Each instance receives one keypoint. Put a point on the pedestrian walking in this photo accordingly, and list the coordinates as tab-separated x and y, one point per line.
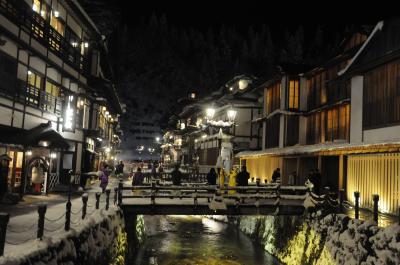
232	180
119	169
276	175
243	177
104	178
4	168
212	177
138	177
176	176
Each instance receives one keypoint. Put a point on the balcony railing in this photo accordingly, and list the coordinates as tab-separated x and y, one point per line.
32	23
42	100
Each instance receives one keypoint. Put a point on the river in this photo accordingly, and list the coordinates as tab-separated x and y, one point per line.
190	240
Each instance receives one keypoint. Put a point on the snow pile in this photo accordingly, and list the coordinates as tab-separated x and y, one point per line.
100	240
309	202
217	203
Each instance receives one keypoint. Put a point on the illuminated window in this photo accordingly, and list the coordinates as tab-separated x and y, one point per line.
293	94
36	6
273	98
52	101
35	84
57	24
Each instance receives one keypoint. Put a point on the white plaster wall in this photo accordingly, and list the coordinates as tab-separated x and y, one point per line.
24	37
65	82
8	25
386	134
55	59
356	135
73	24
54	75
23	56
9	47
37	64
17	122
71	71
39	47
22	72
5	101
5	117
32	121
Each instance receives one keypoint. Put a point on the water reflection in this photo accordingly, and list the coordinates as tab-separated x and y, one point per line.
193	240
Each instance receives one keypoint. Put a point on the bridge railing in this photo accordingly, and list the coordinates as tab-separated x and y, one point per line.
240	194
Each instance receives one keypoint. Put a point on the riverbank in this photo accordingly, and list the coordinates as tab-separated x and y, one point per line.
334	239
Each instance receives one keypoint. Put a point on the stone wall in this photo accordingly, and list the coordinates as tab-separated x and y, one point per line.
101	241
334	239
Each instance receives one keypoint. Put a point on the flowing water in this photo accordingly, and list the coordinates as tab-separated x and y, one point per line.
190	240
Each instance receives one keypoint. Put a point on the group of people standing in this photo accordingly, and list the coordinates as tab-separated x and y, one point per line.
234	178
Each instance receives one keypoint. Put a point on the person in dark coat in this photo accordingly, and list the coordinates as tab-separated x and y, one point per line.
4	167
243	177
138	178
212	177
119	169
104	178
316	180
177	176
276	175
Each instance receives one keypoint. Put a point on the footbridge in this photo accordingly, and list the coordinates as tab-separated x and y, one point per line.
202	199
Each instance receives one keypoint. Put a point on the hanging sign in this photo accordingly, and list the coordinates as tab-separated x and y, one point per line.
69	114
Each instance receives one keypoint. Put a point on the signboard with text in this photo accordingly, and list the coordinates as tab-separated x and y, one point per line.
69	114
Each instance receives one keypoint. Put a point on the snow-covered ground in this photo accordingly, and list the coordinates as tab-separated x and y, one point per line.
22	229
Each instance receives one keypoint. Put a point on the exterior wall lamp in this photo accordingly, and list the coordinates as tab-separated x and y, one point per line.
210	113
231	113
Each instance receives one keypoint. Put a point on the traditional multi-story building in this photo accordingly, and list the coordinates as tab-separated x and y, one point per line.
219	125
59	109
341	118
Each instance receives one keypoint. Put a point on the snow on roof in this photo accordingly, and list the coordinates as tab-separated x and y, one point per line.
378	26
309	149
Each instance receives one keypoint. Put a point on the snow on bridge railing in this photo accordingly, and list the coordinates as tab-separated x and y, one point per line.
269	194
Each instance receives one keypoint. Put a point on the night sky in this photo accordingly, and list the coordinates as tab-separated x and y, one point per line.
279	15
155	67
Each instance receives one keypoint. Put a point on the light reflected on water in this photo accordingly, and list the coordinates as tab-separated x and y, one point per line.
190	240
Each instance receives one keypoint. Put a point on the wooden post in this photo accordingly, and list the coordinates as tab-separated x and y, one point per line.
341	199
108	191
98	194
375	198
42	212
120	187
357	204
68	216
115	195
84	201
4	218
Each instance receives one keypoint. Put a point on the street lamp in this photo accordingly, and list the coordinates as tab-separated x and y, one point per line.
231	113
210	113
